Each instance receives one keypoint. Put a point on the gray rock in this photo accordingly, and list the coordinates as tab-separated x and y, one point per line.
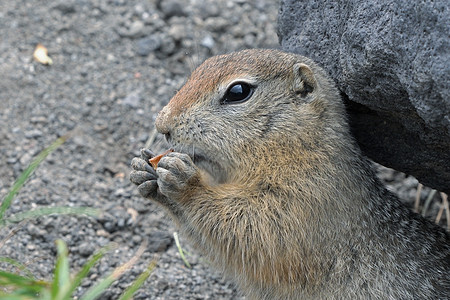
32	134
133	30
172	8
159	241
217	24
168	45
147	45
66	7
209	10
208	42
85	249
391	62
178	31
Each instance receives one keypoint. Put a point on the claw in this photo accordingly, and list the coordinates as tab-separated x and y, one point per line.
146	154
139	177
139	164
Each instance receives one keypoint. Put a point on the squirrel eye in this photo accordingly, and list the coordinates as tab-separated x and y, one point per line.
237	93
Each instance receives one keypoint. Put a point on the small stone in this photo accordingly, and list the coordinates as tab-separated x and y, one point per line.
119	192
159	241
85	249
137	239
218	24
11	160
89	101
102	233
162	284
66	7
109	226
210	10
25	159
171	8
168	46
148	44
38	120
32	134
135	30
178	32
208	42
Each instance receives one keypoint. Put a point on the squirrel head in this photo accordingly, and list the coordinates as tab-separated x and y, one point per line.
248	101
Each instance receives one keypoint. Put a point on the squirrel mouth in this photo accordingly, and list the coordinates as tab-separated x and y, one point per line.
204	163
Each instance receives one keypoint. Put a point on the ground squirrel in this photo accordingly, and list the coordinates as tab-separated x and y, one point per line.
269	185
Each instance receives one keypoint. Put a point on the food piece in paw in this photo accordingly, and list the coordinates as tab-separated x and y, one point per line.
155	160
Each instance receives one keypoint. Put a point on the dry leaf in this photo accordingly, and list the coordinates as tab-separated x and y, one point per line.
41	55
155	160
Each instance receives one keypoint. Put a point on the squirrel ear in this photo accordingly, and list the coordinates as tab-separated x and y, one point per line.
304	80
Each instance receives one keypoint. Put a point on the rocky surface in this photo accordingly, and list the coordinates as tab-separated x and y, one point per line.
391	60
115	64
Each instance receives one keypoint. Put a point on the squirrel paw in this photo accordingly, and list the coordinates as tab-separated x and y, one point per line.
176	174
143	175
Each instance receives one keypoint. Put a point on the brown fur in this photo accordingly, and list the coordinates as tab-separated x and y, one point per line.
279	195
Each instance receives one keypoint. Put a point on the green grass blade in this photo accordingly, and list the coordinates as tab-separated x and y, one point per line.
129	292
7	278
21	282
61	277
67	292
99	288
18	265
20	296
12	297
180	250
45	211
27	172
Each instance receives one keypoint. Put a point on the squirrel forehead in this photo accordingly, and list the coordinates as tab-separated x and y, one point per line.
218	71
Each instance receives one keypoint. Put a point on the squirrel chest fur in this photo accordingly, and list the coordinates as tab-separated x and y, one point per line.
269	185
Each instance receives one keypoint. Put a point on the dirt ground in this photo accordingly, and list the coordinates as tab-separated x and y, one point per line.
116	63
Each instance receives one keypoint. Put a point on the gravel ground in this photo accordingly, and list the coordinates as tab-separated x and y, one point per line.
115	64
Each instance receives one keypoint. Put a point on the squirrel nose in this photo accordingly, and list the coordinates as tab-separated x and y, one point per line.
162	122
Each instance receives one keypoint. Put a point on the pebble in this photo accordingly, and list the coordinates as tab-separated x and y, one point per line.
208	11
32	134
102	233
178	32
159	241
218	24
168	46
66	7
208	42
148	44
134	30
86	249
171	8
